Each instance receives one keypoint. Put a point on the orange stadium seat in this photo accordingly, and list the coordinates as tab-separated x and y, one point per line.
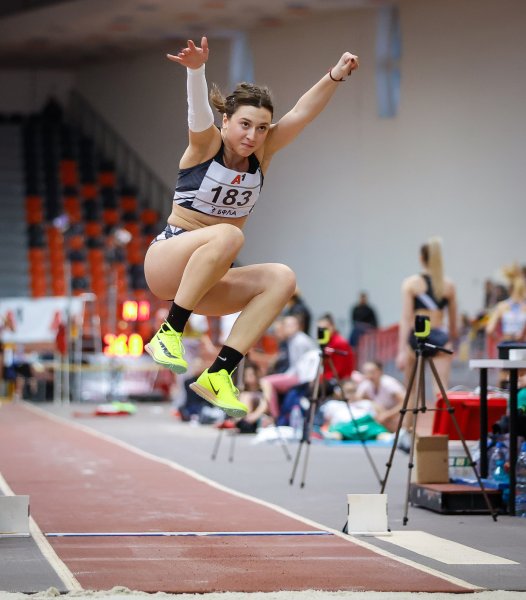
58	287
36	256
110	216
38	287
93	228
149	216
107	178
68	172
34	216
133	227
128	204
33	203
78	268
89	191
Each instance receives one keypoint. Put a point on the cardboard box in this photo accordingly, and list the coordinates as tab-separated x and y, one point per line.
431	459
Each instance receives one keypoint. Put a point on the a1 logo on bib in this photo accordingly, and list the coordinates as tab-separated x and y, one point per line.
238	179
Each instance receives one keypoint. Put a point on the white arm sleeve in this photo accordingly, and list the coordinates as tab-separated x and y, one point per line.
200	115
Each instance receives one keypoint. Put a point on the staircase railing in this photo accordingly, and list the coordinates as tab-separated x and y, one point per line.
151	191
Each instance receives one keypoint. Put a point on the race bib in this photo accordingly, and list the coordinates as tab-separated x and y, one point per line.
227	193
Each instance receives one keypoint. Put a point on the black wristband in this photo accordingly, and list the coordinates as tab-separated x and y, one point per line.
337	80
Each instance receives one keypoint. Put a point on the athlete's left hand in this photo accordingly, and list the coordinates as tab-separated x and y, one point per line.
345	66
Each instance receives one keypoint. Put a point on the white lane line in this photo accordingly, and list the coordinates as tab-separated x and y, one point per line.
218	486
442	550
65	575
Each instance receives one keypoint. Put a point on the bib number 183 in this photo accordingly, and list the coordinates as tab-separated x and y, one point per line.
231	196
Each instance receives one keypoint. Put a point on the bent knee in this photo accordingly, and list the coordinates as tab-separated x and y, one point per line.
284	277
230	237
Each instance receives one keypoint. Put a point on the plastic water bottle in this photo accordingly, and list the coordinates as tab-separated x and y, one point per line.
520	489
497	462
296	421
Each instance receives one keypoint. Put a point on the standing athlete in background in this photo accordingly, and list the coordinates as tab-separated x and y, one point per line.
220	177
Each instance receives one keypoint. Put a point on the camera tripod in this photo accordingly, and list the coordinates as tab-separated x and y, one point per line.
423	351
317	398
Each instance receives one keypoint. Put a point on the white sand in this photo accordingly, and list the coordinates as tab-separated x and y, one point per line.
122	593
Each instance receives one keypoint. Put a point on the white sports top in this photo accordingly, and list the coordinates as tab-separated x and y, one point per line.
213	189
514	319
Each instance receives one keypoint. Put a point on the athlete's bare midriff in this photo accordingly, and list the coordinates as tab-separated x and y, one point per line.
192	219
436	317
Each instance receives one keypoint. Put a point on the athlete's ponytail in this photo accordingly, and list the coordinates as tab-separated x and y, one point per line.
432	257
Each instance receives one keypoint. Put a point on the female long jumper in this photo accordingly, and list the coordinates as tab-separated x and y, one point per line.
220	179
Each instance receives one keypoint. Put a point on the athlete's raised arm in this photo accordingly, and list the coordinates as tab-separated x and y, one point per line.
310	105
201	130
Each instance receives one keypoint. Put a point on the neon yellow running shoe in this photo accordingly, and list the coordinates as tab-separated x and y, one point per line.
219	390
166	348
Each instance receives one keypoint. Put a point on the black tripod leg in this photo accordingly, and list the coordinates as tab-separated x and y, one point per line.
309	422
296	461
233	436
304	439
403	411
283	443
419	403
461	438
216	445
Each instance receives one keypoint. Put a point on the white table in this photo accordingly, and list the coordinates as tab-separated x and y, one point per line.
513	366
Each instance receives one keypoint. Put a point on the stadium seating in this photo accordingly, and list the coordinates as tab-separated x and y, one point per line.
75	201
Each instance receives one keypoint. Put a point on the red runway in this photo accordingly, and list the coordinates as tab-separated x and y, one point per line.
80	482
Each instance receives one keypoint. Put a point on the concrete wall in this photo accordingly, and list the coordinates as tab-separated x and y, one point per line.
355	197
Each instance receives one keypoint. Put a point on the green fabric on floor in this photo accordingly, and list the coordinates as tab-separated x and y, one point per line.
364	428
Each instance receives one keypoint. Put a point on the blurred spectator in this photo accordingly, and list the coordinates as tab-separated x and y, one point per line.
338	352
386	393
302	352
281	362
296	307
363	319
510	314
253	397
507	321
352	418
193	404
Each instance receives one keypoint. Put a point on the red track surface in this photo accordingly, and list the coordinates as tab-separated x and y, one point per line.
78	482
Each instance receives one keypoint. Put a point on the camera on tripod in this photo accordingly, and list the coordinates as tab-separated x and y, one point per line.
324	336
422	327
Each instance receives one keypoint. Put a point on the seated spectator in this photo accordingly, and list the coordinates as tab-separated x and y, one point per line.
338	353
253	397
193	404
281	362
351	418
302	350
386	393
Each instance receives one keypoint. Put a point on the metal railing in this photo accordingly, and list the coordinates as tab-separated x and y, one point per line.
150	190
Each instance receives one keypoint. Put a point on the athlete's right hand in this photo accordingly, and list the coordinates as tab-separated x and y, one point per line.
192	57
